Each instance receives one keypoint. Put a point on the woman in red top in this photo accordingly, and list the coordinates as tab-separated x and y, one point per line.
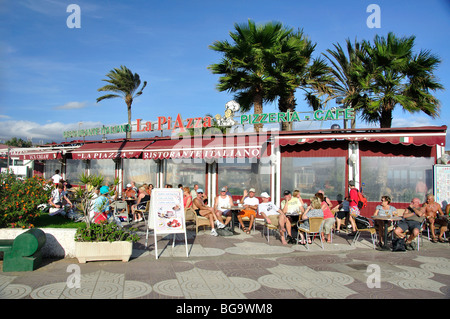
187	198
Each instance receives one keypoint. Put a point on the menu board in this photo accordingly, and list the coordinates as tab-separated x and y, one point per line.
442	184
168	210
166	214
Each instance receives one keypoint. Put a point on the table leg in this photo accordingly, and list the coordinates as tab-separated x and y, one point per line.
385	246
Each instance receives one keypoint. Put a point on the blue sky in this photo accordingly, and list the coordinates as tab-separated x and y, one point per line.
49	73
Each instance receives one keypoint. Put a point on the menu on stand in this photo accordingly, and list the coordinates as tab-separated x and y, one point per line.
442	184
167	214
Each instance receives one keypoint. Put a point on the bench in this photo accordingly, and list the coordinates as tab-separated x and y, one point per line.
24	252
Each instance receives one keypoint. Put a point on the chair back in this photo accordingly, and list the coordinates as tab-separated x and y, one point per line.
315	224
189	214
120	204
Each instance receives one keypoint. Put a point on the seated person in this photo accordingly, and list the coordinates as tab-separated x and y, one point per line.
205	211
273	215
250	206
435	215
141	204
383	210
412	220
222	205
101	206
313	210
292	208
129	192
342	210
58	200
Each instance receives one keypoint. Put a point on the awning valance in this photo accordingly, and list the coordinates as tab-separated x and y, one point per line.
207	147
112	150
40	155
429	139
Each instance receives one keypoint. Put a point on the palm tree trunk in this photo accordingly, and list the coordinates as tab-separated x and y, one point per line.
258	109
129	120
386	118
286	103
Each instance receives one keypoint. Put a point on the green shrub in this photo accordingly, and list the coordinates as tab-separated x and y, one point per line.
104	232
19	199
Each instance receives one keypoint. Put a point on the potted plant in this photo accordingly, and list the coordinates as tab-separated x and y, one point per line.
104	240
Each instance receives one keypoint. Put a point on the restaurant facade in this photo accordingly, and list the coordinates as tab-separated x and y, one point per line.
397	162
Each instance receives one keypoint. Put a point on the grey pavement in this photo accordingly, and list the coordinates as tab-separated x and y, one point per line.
242	267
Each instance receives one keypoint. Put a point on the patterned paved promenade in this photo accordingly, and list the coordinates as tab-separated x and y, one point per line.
243	267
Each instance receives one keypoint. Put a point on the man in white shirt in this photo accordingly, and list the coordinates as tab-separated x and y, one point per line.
273	215
250	207
56	178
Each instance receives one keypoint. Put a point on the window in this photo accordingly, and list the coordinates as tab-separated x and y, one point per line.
140	171
105	168
243	174
185	172
310	174
74	168
50	167
400	178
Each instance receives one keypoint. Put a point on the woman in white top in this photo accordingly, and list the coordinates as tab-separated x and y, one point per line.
222	205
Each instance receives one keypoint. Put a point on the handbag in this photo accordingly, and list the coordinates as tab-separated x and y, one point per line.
100	217
398	244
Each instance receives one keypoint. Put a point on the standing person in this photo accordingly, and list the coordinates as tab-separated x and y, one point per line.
222	205
273	215
328	217
56	178
205	211
435	215
385	209
250	205
412	220
292	208
141	204
353	206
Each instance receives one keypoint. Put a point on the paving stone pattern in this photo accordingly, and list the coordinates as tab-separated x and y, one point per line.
243	267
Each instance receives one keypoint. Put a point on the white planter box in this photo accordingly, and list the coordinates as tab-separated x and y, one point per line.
92	251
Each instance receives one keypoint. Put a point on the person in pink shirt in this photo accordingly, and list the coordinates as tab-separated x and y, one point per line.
328	218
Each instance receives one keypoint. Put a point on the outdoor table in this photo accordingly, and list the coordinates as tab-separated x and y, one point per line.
234	211
130	202
386	220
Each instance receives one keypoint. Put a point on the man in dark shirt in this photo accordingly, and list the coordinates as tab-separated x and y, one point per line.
412	221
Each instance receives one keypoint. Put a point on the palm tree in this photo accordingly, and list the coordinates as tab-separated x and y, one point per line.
396	76
349	76
124	84
247	63
295	71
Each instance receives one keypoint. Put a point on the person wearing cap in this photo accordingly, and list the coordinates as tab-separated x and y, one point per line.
250	205
205	211
222	205
292	207
130	192
353	206
273	215
101	206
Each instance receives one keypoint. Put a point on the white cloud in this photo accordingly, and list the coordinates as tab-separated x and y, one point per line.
71	105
